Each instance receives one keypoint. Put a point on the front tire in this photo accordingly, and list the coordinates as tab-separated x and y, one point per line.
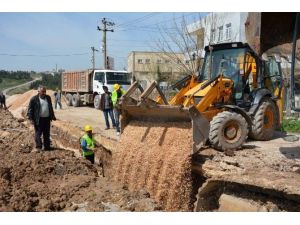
228	131
265	121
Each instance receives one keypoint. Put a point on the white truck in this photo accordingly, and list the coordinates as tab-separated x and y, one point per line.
85	87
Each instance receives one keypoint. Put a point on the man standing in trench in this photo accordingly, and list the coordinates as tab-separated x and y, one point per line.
87	143
40	113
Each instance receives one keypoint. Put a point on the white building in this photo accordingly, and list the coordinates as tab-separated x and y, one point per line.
219	27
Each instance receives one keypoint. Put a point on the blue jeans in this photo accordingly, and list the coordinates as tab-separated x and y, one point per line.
117	117
109	112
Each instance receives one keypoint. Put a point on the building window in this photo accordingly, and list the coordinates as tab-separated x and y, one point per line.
167	61
213	35
140	61
228	31
220	33
179	61
147	61
159	61
187	61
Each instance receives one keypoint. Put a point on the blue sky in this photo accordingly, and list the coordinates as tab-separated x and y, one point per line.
39	41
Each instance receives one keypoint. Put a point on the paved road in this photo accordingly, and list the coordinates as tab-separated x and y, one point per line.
20	85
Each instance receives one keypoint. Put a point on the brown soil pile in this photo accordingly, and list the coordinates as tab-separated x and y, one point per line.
55	180
157	157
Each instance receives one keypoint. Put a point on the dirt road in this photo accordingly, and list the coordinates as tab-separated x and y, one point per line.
20	85
80	116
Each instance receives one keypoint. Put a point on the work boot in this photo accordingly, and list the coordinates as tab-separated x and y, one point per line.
36	149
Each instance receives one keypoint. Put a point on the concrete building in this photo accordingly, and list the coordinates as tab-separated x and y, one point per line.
150	66
219	27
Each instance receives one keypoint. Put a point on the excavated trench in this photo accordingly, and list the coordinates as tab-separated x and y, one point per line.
160	163
221	195
57	180
148	170
154	159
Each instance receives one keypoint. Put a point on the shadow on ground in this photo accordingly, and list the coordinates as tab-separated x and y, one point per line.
290	152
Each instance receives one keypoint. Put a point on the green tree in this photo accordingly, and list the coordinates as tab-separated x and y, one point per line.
48	80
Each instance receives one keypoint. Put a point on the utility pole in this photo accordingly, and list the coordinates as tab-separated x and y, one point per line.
93	56
104	29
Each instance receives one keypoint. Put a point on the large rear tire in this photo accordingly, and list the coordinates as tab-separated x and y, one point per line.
69	99
265	121
228	131
76	100
97	101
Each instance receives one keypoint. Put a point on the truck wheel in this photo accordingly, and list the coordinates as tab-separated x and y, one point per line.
228	131
265	121
69	99
97	101
76	100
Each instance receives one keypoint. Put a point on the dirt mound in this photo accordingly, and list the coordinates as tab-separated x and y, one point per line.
157	157
55	180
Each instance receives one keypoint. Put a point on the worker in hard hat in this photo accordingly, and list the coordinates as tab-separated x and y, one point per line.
87	143
116	95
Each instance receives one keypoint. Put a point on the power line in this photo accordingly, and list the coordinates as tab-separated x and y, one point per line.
137	20
175	18
152	28
42	55
132	40
128	46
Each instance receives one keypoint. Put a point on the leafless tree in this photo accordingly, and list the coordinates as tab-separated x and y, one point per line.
177	40
190	39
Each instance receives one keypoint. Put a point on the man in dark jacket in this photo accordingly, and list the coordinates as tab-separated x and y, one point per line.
106	106
40	113
2	101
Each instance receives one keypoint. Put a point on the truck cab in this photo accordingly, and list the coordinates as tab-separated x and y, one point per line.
108	78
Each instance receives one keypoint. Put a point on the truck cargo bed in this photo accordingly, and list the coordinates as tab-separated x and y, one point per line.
77	81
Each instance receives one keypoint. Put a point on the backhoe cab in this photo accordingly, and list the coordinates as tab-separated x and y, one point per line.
244	96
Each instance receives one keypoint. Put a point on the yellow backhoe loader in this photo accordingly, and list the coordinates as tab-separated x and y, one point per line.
238	93
235	95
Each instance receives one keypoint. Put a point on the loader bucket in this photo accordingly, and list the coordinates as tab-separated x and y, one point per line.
146	109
